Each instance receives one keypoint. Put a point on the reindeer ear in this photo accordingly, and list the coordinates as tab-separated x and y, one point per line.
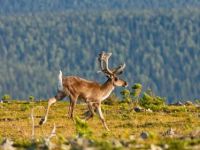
109	76
120	72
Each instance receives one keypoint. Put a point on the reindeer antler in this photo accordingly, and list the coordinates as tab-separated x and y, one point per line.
103	60
119	69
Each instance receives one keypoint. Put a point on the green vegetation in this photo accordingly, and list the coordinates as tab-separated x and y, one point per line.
82	128
175	128
31	98
151	101
6	97
126	98
148	100
137	89
133	95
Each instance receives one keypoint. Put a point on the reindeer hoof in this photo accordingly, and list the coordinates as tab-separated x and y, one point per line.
107	129
42	121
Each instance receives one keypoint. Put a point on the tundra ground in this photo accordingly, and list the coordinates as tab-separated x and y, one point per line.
175	127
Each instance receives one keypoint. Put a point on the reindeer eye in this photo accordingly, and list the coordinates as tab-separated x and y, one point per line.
116	78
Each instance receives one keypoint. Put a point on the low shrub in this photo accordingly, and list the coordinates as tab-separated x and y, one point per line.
24	107
82	128
132	95
150	100
178	144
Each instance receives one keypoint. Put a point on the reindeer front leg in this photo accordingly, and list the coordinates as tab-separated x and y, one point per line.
99	112
73	100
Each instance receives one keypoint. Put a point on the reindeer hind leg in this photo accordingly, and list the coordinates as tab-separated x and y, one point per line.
59	96
91	111
50	102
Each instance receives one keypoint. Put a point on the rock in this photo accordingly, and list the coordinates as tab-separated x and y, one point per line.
194	147
155	147
144	135
139	146
65	147
138	109
165	146
179	103
7	145
80	143
170	132
132	137
49	144
195	134
83	142
117	144
197	106
149	110
188	103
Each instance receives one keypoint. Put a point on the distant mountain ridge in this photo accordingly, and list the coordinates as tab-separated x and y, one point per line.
34	6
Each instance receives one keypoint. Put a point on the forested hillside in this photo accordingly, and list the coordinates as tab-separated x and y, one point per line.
160	47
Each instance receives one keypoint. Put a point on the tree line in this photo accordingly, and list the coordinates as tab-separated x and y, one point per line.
160	47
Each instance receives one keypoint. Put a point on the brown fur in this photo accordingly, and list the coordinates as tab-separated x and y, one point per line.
90	91
77	87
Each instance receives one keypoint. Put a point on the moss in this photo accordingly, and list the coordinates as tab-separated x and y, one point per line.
177	145
25	143
24	107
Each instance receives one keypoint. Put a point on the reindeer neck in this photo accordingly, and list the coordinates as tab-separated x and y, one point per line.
107	88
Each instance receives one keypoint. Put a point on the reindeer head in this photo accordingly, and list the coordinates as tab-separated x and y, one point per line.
111	73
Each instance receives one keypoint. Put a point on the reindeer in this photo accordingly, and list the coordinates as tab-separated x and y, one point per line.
92	92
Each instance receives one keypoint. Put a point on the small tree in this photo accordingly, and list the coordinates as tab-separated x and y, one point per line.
6	97
137	89
31	98
126	97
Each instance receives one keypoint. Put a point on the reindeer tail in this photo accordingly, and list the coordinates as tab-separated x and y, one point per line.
60	84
